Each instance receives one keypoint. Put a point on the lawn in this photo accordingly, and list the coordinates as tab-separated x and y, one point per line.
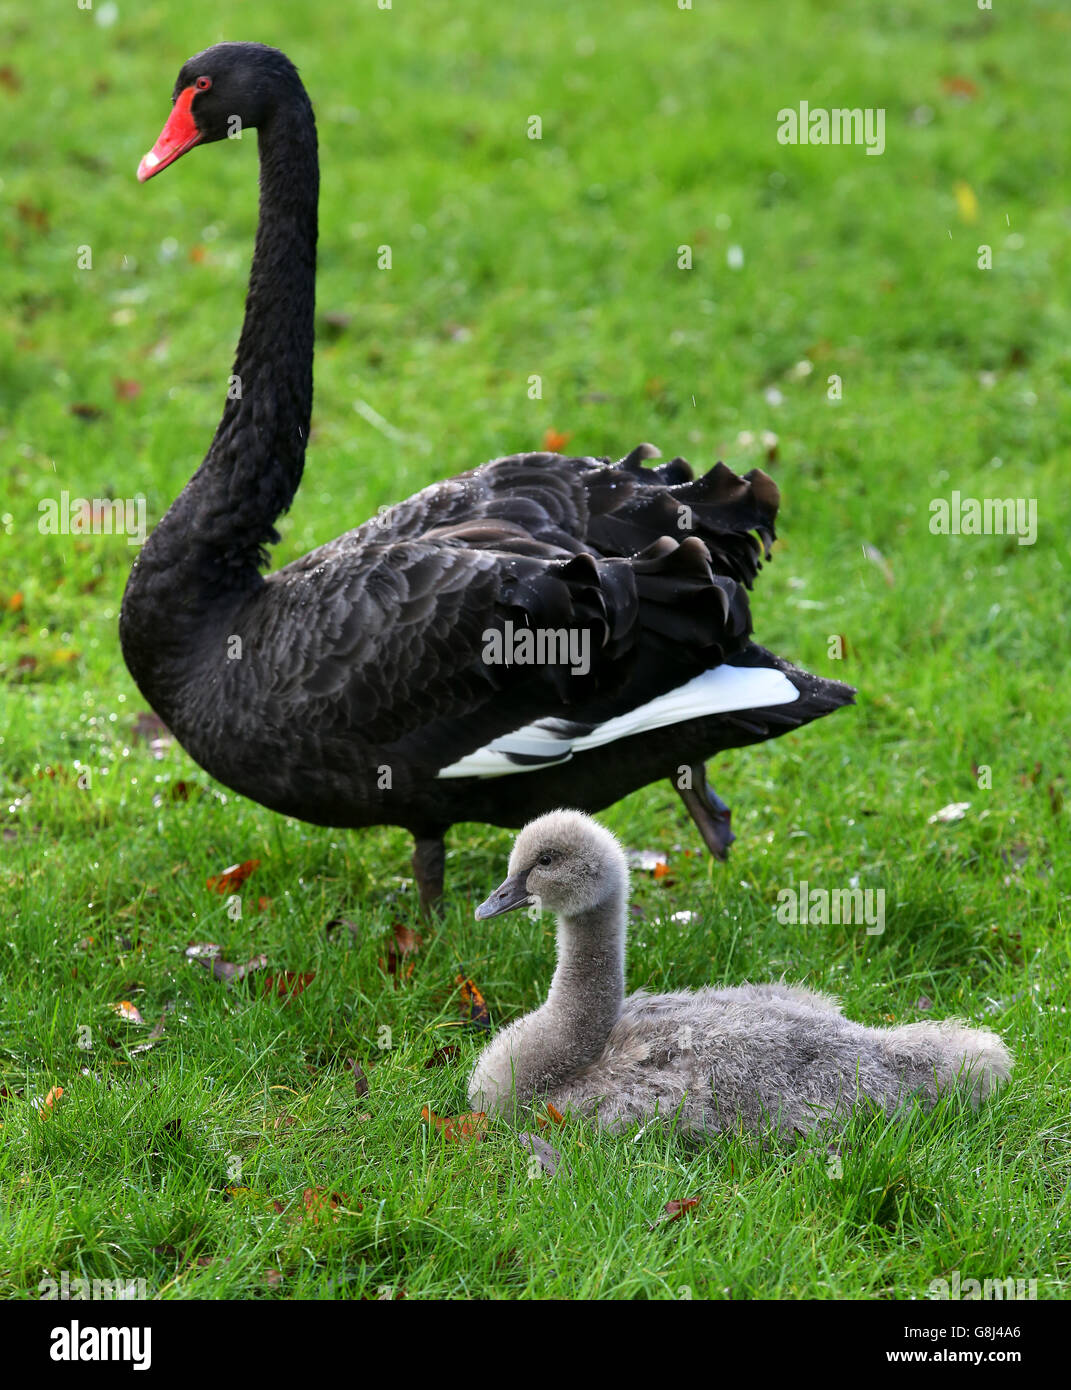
834	327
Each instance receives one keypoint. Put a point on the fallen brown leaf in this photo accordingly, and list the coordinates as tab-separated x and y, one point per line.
32	215
673	1211
472	1125
49	1101
128	1011
443	1056
960	87
233	878
402	942
319	1202
360	1081
473	1004
288	984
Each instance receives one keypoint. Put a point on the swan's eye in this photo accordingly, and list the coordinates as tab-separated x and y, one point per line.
545	860
203	83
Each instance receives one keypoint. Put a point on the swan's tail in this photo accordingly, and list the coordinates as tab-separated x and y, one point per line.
940	1056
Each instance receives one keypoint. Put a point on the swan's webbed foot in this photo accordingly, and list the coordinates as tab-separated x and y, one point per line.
711	815
429	862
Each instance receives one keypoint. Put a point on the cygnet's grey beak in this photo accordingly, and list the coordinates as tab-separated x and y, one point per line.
513	893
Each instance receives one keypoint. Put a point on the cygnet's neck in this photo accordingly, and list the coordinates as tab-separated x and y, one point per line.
570	1030
588	987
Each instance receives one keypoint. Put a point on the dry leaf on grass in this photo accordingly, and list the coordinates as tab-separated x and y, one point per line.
443	1056
49	1101
127	1011
319	1202
472	1125
232	878
673	1211
473	1005
360	1081
288	984
402	942
957	86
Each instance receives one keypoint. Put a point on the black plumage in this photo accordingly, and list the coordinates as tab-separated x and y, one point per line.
339	688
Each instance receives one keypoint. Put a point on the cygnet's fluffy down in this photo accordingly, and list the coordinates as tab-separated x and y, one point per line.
769	1056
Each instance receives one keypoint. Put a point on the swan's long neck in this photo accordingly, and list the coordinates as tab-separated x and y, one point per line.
588	987
254	465
571	1028
205	555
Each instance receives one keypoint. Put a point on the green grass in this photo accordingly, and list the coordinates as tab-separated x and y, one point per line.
556	257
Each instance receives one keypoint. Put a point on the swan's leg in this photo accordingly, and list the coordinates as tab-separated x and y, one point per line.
710	813
429	860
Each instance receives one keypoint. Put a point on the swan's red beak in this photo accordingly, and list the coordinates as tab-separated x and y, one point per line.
178	135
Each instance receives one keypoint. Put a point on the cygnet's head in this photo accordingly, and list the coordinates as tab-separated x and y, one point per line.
566	862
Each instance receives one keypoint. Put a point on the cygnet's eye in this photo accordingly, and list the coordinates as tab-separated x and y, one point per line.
545	860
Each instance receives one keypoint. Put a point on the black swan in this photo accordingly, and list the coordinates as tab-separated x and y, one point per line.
770	1056
470	654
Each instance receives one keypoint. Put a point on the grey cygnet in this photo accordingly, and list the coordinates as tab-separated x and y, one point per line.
769	1057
